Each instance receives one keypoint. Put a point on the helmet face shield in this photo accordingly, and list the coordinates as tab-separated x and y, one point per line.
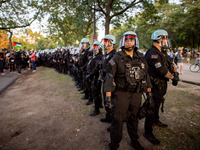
128	41
165	42
105	41
96	47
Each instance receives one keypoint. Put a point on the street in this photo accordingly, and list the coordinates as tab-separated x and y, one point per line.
188	75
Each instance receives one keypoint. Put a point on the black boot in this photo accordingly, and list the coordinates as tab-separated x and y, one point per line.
94	113
151	138
88	102
84	97
160	124
136	145
80	89
106	120
82	92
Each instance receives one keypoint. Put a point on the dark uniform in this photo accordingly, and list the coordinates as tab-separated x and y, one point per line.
158	62
130	74
83	59
103	65
96	84
90	66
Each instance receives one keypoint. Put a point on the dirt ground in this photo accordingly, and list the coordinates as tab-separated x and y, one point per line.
37	113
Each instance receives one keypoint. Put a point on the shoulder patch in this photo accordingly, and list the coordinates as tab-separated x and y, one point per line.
157	65
111	62
154	56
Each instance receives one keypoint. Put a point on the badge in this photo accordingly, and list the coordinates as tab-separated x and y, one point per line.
154	56
158	65
111	62
142	65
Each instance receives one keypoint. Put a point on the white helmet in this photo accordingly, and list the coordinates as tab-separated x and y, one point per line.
129	35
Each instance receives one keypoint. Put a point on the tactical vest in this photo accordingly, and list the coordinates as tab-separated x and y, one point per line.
131	74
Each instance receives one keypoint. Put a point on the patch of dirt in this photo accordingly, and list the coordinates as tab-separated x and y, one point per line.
34	116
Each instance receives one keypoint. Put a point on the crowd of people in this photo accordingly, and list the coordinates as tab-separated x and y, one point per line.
115	80
17	60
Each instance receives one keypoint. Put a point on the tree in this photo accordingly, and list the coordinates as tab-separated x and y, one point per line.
20	13
69	21
4	42
112	10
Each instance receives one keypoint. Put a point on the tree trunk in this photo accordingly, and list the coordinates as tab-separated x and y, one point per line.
107	27
10	42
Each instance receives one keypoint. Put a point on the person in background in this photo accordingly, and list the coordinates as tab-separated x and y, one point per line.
11	61
32	57
198	58
180	61
188	57
171	55
2	57
18	58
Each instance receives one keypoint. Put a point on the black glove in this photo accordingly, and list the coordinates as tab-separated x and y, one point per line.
150	100
176	79
108	102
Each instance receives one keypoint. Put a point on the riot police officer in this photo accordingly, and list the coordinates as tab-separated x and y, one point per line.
160	71
108	42
93	74
84	46
128	70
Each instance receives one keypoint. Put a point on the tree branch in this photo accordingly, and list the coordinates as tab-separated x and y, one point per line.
129	6
101	9
14	27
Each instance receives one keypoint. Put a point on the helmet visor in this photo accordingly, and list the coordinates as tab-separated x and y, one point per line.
129	41
166	42
104	41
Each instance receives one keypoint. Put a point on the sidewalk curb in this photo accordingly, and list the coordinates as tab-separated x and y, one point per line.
9	84
190	82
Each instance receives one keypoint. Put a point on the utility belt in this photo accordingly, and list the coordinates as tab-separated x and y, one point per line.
157	80
135	87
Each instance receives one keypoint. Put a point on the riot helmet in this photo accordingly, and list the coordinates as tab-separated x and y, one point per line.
108	41
84	44
97	46
163	35
129	41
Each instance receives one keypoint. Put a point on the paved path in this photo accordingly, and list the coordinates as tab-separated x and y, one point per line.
8	79
188	75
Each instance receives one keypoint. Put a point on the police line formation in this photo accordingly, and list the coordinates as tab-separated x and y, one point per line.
118	80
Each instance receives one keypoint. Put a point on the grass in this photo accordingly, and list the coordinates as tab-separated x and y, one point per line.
182	112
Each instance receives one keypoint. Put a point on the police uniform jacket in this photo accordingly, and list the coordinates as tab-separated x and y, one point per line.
117	71
92	63
83	57
157	62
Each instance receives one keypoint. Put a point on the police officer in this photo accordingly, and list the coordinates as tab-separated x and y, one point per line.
128	70
94	74
84	46
97	54
160	73
108	42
